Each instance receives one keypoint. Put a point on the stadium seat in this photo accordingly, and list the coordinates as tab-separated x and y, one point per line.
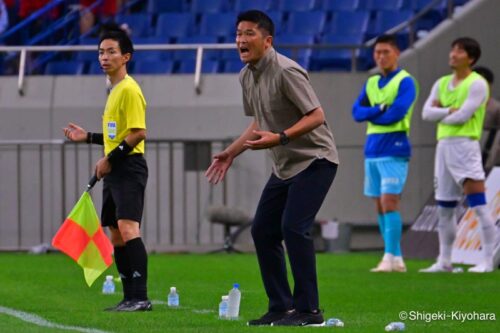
191	54
231	54
278	19
87	55
162	6
211	6
348	23
207	66
139	24
340	5
233	66
387	19
64	67
376	5
151	54
244	5
219	25
296	5
335	58
154	67
306	23
95	68
294	53
174	25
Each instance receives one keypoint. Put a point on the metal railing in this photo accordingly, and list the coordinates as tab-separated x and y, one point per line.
43	179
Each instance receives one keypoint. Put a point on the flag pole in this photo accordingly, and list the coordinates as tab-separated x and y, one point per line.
92	182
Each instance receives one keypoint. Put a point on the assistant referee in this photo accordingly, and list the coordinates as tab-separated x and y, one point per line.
123	168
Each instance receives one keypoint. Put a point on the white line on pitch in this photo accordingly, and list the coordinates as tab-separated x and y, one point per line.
37	320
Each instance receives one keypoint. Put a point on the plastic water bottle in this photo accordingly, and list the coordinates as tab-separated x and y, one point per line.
234	298
395	326
173	298
224	307
109	286
335	322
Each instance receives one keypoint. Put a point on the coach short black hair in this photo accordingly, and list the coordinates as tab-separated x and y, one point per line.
387	39
470	46
263	21
121	37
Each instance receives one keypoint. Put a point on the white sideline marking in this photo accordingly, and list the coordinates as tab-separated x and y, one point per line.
37	320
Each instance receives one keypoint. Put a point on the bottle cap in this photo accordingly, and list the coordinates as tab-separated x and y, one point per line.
225	297
236	286
109	277
173	289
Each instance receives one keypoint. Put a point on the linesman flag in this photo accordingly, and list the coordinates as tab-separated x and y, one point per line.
82	238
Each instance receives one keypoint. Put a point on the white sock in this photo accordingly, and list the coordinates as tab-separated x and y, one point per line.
446	232
388	257
488	230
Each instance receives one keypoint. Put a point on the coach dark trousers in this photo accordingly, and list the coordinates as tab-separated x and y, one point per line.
286	211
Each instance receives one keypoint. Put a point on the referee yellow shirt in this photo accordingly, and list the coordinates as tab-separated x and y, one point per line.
125	109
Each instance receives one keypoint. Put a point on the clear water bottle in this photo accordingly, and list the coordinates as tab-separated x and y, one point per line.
395	326
234	298
109	286
335	322
224	307
173	298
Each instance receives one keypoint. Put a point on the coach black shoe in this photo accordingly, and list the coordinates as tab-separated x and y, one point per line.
122	303
268	318
301	319
135	306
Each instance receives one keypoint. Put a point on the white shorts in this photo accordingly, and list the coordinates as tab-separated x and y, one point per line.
457	159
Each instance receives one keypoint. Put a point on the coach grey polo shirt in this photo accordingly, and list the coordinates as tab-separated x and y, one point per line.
277	92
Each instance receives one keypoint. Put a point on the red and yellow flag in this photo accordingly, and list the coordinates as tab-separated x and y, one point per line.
81	237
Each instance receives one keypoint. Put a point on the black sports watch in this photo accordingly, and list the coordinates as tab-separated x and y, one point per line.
284	139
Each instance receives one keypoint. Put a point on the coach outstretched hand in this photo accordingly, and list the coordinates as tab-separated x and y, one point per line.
217	170
75	133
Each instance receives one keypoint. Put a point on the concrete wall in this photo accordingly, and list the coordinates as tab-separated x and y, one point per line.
175	111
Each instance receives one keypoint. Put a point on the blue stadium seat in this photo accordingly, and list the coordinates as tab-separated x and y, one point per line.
348	23
375	5
191	54
220	25
230	54
162	6
294	53
296	5
139	24
209	6
175	25
340	5
64	67
430	19
152	55
335	58
306	23
387	19
154	67
278	19
233	66
207	66
244	5
95	68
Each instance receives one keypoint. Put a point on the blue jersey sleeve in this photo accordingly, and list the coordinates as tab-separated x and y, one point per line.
407	93
361	110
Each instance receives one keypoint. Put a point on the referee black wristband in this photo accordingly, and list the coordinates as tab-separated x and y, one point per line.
119	153
96	138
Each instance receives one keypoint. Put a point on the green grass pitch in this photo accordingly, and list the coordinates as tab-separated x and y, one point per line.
52	287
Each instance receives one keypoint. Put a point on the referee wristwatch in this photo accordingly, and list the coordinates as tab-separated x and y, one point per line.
284	139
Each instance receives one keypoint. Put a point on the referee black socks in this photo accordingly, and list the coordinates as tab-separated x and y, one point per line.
138	259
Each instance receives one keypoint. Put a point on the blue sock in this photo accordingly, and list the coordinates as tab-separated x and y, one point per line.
381	226
393	230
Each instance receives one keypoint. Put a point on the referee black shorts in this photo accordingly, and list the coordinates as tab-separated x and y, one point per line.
123	191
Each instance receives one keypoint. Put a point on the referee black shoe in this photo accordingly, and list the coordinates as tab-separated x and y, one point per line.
136	306
122	303
268	318
302	319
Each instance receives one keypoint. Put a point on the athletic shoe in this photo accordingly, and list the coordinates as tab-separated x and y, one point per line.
268	318
383	266
301	319
122	303
437	268
484	267
398	266
134	306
